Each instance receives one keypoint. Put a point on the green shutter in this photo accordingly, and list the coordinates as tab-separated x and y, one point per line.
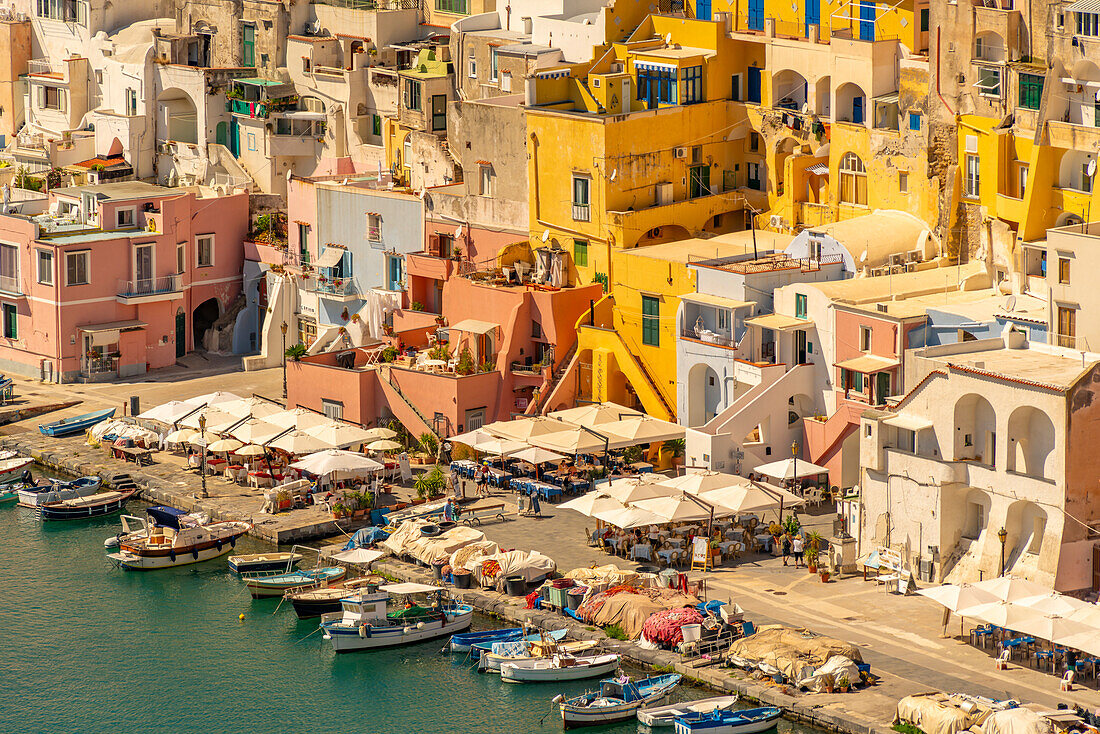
580	253
651	321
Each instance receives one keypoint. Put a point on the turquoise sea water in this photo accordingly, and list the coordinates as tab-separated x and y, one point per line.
89	648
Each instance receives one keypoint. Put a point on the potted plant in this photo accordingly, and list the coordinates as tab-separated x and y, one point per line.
830	686
389	354
843	683
339	510
295	352
387	329
811	559
417	306
824	573
465	364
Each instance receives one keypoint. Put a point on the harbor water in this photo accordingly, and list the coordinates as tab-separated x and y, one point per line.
90	648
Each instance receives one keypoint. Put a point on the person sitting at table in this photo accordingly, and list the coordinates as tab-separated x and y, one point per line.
566	484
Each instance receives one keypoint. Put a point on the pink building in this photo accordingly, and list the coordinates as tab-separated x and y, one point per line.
116	279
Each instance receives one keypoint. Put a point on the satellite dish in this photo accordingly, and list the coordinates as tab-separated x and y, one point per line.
289	173
1010	303
614	174
668	39
344	182
458	232
423	192
863	257
545	235
1092	168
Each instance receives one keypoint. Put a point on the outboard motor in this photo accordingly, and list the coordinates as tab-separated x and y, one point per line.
28	478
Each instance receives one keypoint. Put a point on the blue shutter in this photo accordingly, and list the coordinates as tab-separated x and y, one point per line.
866	21
756	15
702	9
753	92
813	14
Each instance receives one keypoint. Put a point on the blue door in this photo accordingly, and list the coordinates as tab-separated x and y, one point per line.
395	274
756	15
866	21
813	14
234	137
753	91
857	110
702	9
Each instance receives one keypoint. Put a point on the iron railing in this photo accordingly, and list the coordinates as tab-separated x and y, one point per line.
150	286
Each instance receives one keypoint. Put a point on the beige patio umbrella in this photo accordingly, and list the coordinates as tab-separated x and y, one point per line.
383	445
499	446
1054	627
1001	613
791	468
748	497
525	429
591	503
225	446
633	489
169	412
537	455
256	431
251	449
203	439
298	442
182	435
629	517
640	429
1054	603
1089	614
213	398
339	435
470	438
214	417
1087	641
571	441
1011	588
252	407
957	596
679	508
378	433
338	464
595	415
299	418
704	481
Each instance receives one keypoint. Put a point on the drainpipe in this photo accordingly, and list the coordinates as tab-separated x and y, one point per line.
938	61
535	173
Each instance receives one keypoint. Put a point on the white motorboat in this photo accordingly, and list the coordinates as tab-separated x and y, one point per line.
560	667
35	495
395	614
173	538
12	468
745	721
617	699
657	716
506	652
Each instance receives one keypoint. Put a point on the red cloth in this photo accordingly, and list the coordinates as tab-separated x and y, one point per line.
531	598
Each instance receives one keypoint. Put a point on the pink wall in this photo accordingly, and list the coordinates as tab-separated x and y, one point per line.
478	244
301	206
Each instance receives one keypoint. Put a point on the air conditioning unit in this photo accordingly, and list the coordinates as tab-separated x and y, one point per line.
680	152
664	194
776	221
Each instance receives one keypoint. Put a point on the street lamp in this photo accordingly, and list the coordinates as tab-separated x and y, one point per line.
1002	535
794	455
283	329
202	445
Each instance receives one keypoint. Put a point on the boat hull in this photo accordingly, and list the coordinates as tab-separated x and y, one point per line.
15	471
346	638
730	724
71	426
533	672
263	562
465	643
102	509
39	495
658	716
307	609
574	718
130	558
262	588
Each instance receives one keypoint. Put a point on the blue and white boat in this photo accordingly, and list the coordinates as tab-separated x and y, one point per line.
465	641
36	495
617	699
395	614
261	585
69	426
746	721
480	648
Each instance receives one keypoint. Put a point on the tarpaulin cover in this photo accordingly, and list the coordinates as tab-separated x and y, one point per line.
1016	721
834	670
792	651
365	537
513	649
664	627
492	570
937	713
468	555
408	540
630	607
610	574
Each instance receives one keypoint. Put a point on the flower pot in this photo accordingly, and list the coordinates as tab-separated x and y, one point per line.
812	568
824	577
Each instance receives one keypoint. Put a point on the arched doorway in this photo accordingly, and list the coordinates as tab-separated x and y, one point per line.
221	133
178	117
181	333
202	318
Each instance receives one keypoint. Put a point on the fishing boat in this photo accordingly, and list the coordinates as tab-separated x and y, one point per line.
617	699
309	603
465	641
478	649
12	469
45	492
277	585
97	505
69	426
171	537
561	667
657	716
746	721
254	562
395	614
507	652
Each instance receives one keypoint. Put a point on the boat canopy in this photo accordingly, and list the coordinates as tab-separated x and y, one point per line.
410	588
166	516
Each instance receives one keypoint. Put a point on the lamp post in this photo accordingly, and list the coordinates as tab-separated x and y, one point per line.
283	327
202	445
1002	535
794	455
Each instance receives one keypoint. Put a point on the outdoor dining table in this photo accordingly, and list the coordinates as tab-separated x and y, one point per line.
676	542
668	554
765	541
642	467
640	552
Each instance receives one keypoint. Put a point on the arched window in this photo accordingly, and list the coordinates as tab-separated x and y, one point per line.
311	104
853	180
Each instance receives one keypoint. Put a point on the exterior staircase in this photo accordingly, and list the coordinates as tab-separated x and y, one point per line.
402	407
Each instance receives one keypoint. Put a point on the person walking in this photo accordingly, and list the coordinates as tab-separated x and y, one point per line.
797	550
786	548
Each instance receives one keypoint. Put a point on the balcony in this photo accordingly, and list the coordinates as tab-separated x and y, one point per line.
149	290
332	289
99	368
1071	136
709	337
424	265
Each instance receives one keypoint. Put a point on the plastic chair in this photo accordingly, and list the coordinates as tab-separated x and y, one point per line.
1067	681
1002	659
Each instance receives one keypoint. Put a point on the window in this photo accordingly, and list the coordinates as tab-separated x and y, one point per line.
698	181
332	409
924	20
853	180
494	68
471	66
124	217
486	180
580	253
914	121
723	319
51	98
458	7
307	330
204	250
865	338
407	151
376	125
9	268
76	268
800	305
131	102
69	11
1031	91
656	84
851	381
412	94
45	267
1088	24
651	321
252	141
692	85
973	177
581	186
439	112
989	81
374	227
1086	179
475	419
903	182
248	44
1063	270
1067	327
11	326
1021	180
754	142
506	81
181	262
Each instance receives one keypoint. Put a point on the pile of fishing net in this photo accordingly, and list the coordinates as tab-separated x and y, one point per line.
629	607
663	628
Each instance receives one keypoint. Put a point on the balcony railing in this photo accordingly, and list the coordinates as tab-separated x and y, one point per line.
522	368
150	286
331	286
98	365
581	213
42	66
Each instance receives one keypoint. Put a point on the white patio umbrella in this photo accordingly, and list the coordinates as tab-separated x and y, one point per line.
1053	627
634	489
536	455
641	429
383	445
750	498
169	412
252	407
256	431
339	464
379	433
591	503
298	442
1089	614
704	481
677	509
1001	613
225	446
595	415
181	435
1054	603
571	441
470	438
629	517
203	439
212	398
215	417
525	429
251	449
957	596
340	435
1087	641
299	418
790	469
1011	588
499	446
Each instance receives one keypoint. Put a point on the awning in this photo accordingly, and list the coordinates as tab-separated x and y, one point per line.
473	326
891	98
908	422
410	587
113	326
778	322
330	257
707	299
868	363
819	169
1083	6
304	115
